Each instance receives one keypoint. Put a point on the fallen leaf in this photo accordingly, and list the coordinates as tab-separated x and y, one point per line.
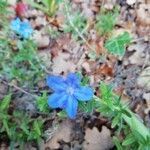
138	57
95	140
144	79
143	14
98	45
63	133
105	70
61	63
41	40
45	56
146	96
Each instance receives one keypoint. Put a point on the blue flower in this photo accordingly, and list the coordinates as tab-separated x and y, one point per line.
23	28
67	93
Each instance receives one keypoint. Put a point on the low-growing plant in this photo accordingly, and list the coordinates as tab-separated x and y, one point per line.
19	61
42	104
47	6
75	23
106	20
18	126
137	135
53	32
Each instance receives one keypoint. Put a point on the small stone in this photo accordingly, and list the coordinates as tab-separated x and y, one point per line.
131	2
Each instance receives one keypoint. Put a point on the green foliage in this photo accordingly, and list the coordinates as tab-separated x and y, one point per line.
62	114
17	129
4	104
53	32
42	103
3	6
3	14
110	105
87	107
75	22
116	45
48	6
20	64
106	21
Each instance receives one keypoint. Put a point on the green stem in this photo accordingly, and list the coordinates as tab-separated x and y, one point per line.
135	124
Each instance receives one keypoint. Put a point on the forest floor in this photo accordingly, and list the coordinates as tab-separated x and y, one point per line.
63	48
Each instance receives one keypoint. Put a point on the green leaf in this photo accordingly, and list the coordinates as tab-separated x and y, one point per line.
116	45
87	107
136	125
25	127
85	81
129	140
116	120
106	21
5	125
4	104
62	114
42	103
37	127
117	143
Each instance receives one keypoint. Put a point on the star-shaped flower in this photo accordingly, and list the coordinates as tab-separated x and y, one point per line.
23	28
67	93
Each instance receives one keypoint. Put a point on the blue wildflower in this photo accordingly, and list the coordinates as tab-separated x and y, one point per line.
23	28
67	93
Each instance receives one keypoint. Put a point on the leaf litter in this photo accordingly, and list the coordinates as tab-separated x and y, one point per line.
131	73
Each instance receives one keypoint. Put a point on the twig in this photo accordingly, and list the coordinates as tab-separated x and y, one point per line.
42	66
76	29
17	88
140	39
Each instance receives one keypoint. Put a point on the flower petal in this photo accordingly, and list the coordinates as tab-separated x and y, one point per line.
73	79
56	83
71	107
25	29
84	93
15	24
57	100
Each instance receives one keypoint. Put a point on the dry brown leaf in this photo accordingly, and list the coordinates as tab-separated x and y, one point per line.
143	14
61	63
45	56
62	134
98	45
41	40
105	70
144	79
95	140
146	96
138	57
120	91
